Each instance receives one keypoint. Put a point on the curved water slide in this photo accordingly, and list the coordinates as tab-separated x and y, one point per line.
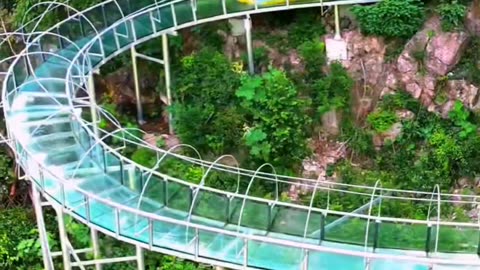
47	95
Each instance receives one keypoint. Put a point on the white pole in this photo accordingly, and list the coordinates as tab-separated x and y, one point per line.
248	34
47	259
96	247
140	258
93	103
63	237
166	66
337	24
137	86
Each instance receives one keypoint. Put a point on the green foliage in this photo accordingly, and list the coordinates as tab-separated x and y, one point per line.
277	117
7	174
459	115
144	157
22	6
452	15
333	91
313	55
381	120
306	27
391	18
205	115
19	245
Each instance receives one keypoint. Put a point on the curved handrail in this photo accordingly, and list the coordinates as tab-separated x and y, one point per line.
248	190
214	165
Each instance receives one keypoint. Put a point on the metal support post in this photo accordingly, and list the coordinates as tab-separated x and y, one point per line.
337	24
47	258
248	35
63	240
140	258
93	103
166	66
137	86
96	247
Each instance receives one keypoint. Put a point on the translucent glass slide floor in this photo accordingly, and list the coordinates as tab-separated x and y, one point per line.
56	150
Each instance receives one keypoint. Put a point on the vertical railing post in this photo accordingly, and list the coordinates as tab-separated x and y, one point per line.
245	253
305	260
269	217
137	86
197	243
47	258
248	35
322	228
227	209
166	66
376	233
428	240
478	245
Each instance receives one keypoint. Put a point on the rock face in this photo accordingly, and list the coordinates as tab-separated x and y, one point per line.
120	87
366	57
439	53
465	92
473	18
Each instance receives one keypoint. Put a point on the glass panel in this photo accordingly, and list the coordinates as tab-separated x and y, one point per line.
290	221
96	20
183	12
255	214
402	236
206	9
236	6
155	190
102	215
211	205
179	196
381	264
457	239
327	261
109	42
173	236
164	18
143	26
134	226
268	256
349	230
221	247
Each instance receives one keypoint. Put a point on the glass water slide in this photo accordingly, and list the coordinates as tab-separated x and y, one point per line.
66	157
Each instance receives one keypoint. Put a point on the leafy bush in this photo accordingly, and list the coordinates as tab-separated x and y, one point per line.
381	120
391	18
333	91
452	15
205	114
313	54
277	119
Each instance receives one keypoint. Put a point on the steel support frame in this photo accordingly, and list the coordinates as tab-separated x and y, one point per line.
68	252
166	65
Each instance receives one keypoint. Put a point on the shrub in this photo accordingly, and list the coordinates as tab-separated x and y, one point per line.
313	54
381	120
391	18
452	15
205	113
277	119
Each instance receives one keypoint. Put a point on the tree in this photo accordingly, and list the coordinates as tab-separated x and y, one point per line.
276	119
391	18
